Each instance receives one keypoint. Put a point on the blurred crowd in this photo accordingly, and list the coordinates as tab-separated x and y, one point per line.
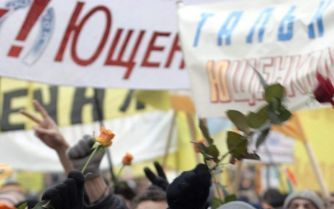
192	189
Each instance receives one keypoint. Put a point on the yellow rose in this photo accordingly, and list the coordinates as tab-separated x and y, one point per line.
5	171
127	159
105	137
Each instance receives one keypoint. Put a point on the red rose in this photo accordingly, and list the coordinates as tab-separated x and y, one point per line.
324	91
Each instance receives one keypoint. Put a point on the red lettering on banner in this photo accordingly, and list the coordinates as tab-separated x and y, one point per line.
240	76
301	68
326	61
75	29
153	47
175	49
120	61
34	13
290	75
3	12
70	29
218	80
103	41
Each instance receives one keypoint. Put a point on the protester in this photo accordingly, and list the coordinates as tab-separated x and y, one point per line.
190	190
330	202
68	194
236	205
304	200
98	192
125	189
153	198
272	199
159	180
11	195
48	132
100	196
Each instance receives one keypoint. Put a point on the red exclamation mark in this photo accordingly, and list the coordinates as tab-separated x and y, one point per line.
34	13
3	12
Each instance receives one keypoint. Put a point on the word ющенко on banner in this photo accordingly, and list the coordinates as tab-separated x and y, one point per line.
45	41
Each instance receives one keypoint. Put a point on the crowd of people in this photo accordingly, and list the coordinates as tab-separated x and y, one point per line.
190	190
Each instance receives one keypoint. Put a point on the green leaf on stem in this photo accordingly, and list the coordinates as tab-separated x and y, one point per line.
216	203
205	132
277	113
274	91
236	144
201	147
262	81
251	156
230	198
239	120
210	152
257	119
44	204
213	151
262	137
22	206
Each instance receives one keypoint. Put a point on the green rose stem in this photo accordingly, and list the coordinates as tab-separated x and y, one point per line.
119	172
212	168
90	158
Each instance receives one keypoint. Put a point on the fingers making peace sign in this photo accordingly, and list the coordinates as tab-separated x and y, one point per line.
46	130
159	180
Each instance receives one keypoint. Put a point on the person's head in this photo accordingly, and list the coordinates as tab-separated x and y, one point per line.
152	198
331	201
272	198
11	194
236	205
304	200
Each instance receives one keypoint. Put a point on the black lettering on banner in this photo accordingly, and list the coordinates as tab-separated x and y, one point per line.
80	100
51	106
8	110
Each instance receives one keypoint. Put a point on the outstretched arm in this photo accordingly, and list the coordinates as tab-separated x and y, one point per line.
47	131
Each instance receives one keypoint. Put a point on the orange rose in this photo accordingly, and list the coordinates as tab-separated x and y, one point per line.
127	159
105	137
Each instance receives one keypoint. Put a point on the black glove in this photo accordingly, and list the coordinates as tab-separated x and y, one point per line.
160	180
67	195
190	190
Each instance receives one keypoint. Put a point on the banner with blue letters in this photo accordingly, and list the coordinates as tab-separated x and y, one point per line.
286	41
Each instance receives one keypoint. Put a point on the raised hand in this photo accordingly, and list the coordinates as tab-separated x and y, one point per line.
79	154
190	190
159	180
46	130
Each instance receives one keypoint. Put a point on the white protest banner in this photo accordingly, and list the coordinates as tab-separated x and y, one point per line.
277	149
143	135
286	41
100	43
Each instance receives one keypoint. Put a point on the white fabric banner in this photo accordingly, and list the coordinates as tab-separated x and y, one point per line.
286	41
143	135
277	149
100	43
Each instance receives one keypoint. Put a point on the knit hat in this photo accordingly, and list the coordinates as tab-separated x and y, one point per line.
307	195
236	205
